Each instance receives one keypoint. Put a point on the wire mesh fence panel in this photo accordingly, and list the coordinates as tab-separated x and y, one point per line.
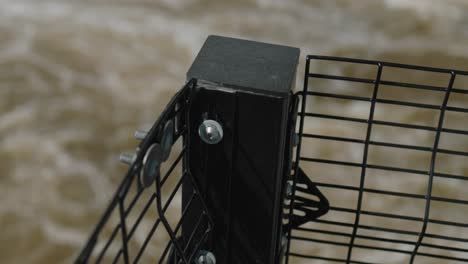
144	220
387	144
369	164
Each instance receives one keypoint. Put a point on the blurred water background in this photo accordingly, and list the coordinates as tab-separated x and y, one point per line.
77	77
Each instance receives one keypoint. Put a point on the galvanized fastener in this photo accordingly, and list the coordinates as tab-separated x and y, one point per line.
127	158
140	134
210	132
205	257
284	240
167	139
289	189
151	165
296	139
156	154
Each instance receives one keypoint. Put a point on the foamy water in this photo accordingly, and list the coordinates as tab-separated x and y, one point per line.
77	77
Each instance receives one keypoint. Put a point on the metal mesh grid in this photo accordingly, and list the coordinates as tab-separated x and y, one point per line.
115	238
386	206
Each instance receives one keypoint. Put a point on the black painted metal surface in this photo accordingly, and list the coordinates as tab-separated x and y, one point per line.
246	65
246	87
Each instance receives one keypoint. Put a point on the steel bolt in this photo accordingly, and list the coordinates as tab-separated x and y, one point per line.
289	189
140	134
210	132
127	158
205	257
296	139
284	240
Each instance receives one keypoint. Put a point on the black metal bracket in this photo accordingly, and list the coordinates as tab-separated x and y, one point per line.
306	209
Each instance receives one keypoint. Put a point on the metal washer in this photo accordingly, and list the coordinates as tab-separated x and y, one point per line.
151	165
167	139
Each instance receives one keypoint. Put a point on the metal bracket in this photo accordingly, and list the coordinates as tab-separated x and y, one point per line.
306	209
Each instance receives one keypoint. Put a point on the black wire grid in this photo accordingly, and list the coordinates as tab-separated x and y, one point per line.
355	233
433	233
121	236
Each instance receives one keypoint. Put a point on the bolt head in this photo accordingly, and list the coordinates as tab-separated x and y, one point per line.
206	257
284	240
296	139
289	189
210	132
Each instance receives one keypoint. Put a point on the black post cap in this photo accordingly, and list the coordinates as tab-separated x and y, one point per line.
246	65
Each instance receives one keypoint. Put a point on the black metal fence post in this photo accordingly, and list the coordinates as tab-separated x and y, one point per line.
245	88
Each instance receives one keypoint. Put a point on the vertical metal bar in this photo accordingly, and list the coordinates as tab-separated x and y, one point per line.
364	161
123	229
298	149
198	246
161	213
200	203
432	166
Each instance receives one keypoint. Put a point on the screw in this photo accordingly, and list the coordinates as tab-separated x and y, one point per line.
289	189
210	132
284	240
205	257
127	158
296	139
140	134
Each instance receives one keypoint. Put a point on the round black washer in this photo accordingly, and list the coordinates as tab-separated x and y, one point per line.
151	165
167	139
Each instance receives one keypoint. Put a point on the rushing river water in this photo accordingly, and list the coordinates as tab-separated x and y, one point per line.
77	77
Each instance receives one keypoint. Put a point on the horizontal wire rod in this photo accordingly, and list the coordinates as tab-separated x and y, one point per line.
395	241
398	194
388	83
403	217
390	230
384	168
385	249
301	255
387	64
386	144
387	101
384	123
